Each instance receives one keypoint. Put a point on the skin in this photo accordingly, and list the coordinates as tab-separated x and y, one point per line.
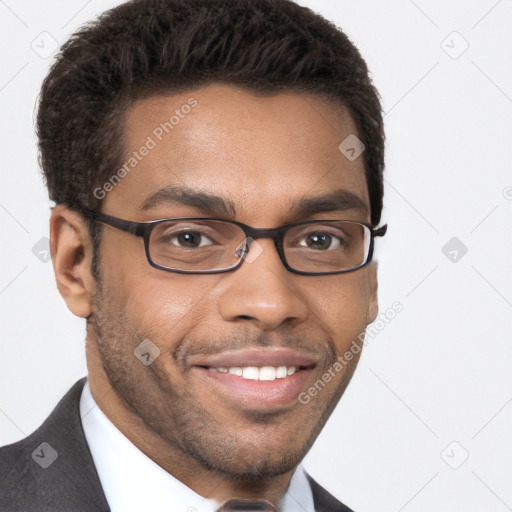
262	153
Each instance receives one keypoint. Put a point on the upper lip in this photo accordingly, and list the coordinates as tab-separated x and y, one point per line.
255	357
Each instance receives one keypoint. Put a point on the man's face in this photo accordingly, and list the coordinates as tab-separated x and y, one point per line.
261	155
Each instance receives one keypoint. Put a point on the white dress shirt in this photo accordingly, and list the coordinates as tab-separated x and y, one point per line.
132	482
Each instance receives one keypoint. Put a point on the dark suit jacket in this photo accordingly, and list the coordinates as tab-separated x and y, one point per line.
70	483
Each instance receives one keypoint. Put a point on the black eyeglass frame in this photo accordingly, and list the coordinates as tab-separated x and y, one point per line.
144	229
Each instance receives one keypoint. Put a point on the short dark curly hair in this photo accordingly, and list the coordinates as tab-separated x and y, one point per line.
146	47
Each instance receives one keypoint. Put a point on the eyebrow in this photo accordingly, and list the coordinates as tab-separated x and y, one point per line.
204	201
219	206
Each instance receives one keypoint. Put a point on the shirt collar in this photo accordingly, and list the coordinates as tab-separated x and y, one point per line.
132	481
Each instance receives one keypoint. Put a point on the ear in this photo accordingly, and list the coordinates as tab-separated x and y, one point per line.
72	251
373	303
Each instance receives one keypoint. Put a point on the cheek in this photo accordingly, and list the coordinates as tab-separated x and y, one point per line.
149	294
166	306
341	307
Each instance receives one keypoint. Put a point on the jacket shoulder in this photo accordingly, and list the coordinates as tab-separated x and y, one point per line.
52	469
323	500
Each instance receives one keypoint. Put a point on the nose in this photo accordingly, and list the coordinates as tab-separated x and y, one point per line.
262	290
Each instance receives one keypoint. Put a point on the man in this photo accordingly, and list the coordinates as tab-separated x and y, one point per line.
217	173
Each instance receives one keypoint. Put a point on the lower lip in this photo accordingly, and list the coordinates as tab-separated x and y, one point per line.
261	393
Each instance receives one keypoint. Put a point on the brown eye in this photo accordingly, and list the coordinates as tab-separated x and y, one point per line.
188	239
321	241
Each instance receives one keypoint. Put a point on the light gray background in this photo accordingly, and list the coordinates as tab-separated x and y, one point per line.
439	372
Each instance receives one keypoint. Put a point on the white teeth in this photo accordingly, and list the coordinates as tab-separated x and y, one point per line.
255	373
281	372
267	373
251	372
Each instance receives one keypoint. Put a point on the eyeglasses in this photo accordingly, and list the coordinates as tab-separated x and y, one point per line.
199	245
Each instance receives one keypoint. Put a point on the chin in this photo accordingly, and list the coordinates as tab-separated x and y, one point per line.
251	463
261	469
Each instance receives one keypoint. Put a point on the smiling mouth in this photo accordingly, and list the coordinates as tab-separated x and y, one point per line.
260	378
262	388
263	379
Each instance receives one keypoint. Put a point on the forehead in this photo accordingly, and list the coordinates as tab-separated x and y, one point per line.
262	152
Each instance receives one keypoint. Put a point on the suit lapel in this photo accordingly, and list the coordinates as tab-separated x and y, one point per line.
325	502
70	482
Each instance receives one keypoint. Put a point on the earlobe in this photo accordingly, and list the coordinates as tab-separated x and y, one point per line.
72	252
373	303
373	311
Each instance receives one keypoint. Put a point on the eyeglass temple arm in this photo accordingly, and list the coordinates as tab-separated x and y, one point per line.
135	228
380	231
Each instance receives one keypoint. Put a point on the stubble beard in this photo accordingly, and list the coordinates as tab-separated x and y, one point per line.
188	428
